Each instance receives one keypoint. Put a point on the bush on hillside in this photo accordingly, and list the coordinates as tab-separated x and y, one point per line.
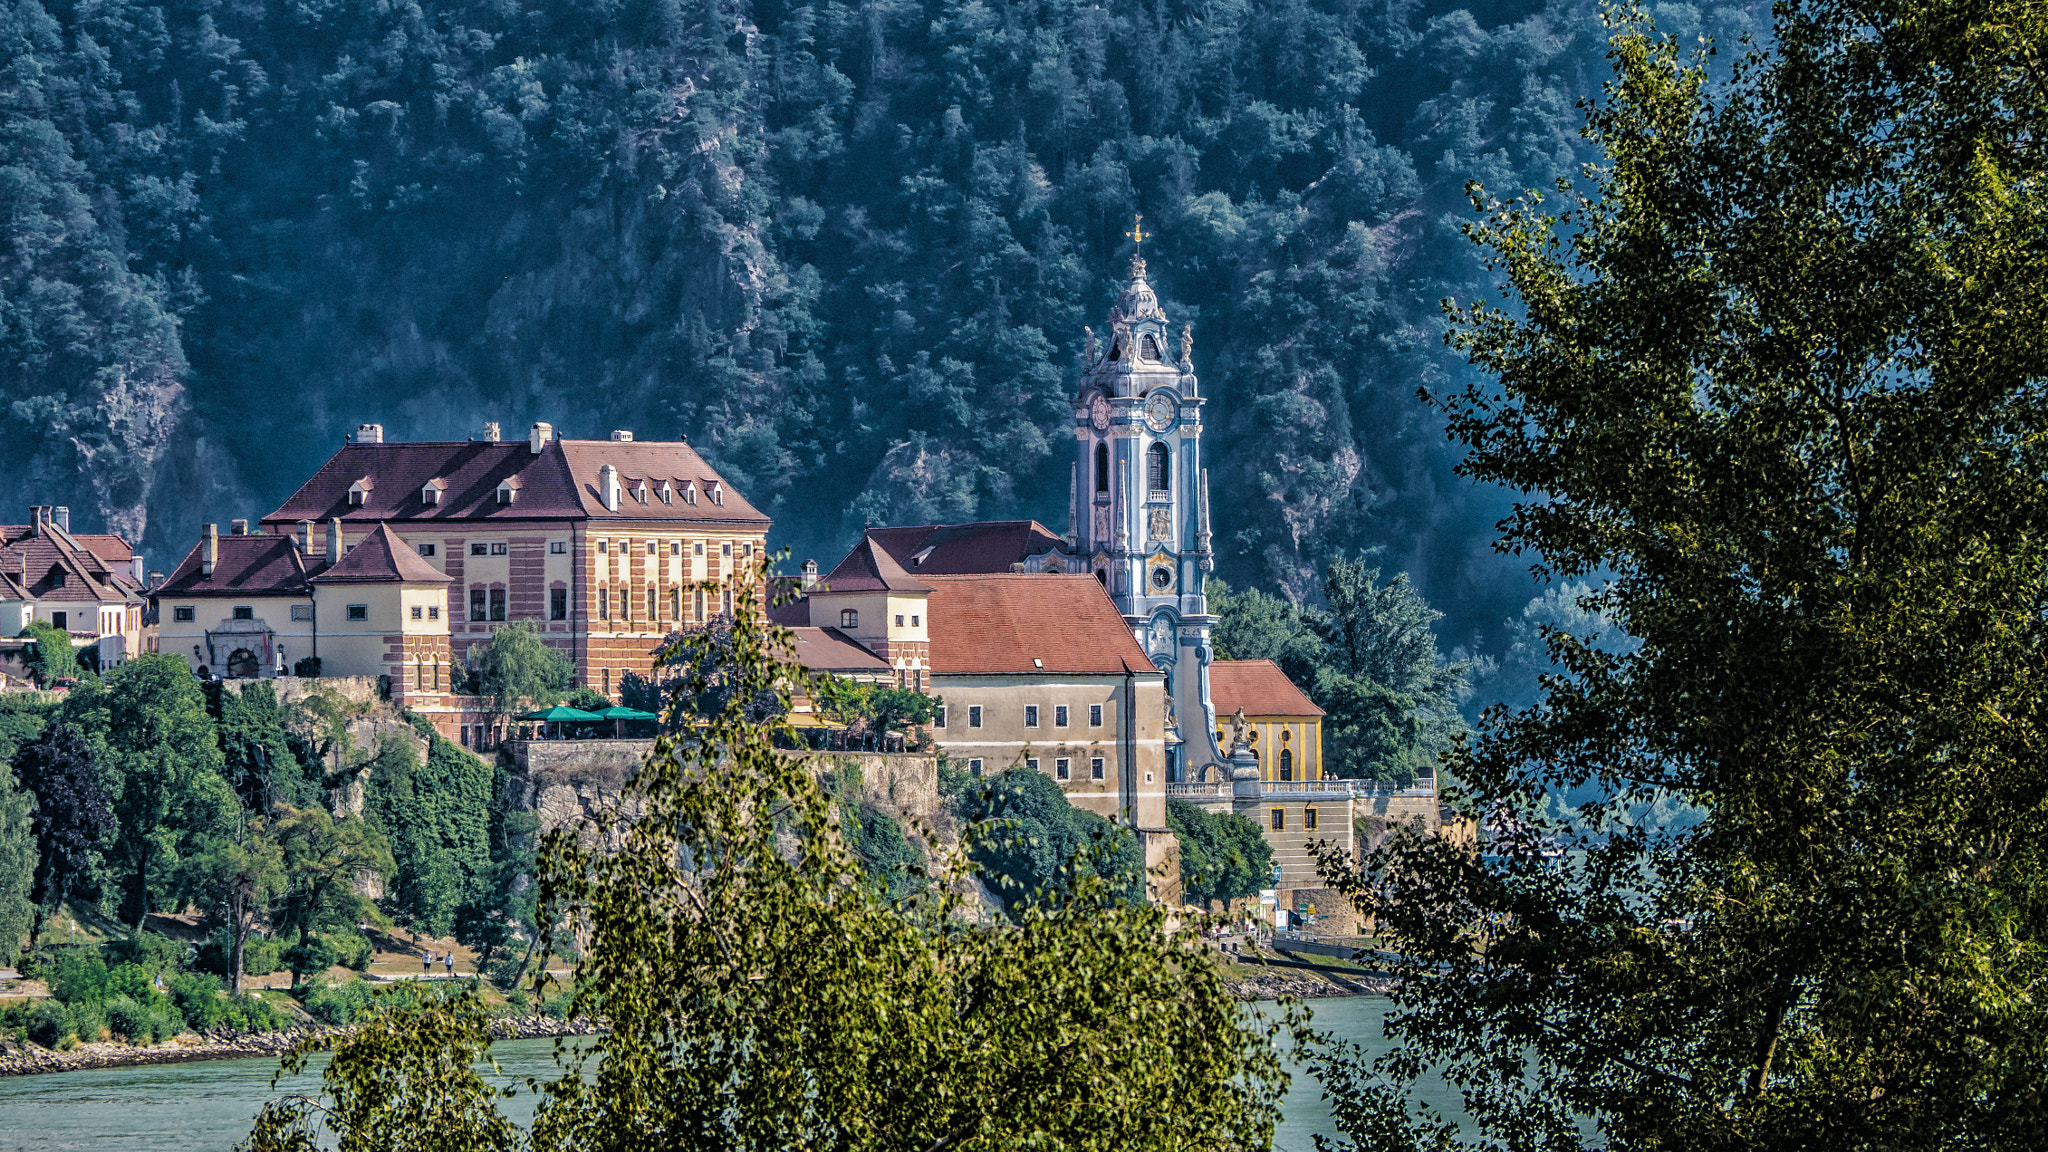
337	1004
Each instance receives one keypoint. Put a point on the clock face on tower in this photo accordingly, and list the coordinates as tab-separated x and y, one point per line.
1098	412
1159	411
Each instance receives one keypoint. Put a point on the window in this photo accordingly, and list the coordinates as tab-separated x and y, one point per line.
434	613
914	623
1095	768
1102	469
725	549
1031	715
700	547
302	611
183	612
675	548
653	548
1095	715
1279	819
974	716
974	766
899	619
700	605
1063	768
477	609
244	612
359	611
1162	577
558	547
1308	819
1287	766
1059	716
498	549
418	613
479	549
465	735
625	604
604	602
652	611
603	546
848	618
427	549
1158	468
56	578
558	603
606	674
939	716
497	603
60	621
1031	762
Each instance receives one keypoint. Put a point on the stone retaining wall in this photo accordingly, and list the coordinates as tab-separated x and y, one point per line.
31	1059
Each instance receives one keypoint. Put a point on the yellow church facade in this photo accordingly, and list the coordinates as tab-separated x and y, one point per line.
1283	727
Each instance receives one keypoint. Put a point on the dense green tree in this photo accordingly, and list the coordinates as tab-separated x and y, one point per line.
436	819
324	862
1255	625
1774	375
74	816
157	750
1032	846
22	718
517	671
236	880
18	859
50	656
1223	856
892	862
258	759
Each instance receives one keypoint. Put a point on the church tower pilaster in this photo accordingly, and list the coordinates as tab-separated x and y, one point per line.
1139	513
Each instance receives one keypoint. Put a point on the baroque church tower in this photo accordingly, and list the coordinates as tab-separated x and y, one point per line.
1138	510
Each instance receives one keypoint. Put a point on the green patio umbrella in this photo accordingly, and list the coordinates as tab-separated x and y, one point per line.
618	714
564	712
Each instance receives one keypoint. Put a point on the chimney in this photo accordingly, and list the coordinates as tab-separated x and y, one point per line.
306	537
491	431
136	570
538	436
810	574
38	517
334	540
238	527
61	517
369	433
155	578
209	551
622	436
608	485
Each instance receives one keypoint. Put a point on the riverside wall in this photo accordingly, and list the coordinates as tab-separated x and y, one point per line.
189	1047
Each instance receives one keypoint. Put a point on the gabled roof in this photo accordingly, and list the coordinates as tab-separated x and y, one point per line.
953	549
869	569
829	650
245	566
33	559
788	604
1001	622
558	483
381	558
1257	686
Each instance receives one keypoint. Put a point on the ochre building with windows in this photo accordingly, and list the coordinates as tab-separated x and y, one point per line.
1283	727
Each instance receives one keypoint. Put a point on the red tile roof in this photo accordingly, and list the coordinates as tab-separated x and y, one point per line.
1001	622
829	650
869	568
245	566
1257	686
954	549
35	560
381	558
559	483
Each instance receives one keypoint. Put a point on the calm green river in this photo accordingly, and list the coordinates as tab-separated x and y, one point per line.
207	1107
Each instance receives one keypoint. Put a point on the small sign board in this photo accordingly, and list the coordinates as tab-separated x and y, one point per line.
1269	896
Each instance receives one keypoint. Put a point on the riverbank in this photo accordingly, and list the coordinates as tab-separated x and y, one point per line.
188	1047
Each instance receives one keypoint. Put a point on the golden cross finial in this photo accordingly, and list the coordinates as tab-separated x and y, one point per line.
1137	234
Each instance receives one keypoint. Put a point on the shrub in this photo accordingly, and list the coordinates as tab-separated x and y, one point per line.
252	1013
89	1020
307	666
142	1023
198	999
76	974
133	981
48	1024
261	955
338	1003
351	949
152	951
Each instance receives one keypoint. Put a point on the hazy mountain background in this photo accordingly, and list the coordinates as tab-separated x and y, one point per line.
846	249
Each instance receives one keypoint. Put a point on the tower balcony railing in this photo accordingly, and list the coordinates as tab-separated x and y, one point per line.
1423	788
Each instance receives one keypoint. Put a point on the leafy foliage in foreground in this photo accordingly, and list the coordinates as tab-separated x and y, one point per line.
761	992
1776	384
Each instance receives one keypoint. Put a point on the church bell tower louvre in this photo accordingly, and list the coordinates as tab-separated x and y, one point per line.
1138	514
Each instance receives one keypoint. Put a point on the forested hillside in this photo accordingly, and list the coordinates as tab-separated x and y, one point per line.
847	249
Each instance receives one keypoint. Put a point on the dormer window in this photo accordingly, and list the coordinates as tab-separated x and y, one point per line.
640	492
56	578
508	490
716	491
359	492
667	492
430	492
689	491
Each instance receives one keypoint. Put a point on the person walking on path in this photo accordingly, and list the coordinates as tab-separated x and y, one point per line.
426	961
449	959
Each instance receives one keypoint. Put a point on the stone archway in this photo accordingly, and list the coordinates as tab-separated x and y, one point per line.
242	665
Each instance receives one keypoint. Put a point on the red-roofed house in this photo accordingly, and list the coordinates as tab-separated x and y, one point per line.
1282	725
88	585
604	544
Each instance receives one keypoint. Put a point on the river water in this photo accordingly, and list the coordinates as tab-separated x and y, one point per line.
207	1107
